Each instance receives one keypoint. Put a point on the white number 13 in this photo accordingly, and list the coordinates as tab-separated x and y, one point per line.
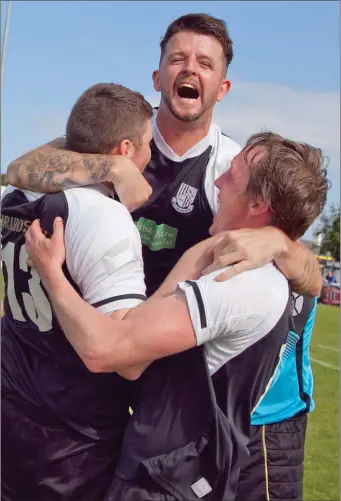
36	303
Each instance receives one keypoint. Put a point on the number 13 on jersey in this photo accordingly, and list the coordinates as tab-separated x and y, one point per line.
35	302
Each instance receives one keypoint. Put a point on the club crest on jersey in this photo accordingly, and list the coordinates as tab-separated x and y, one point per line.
183	201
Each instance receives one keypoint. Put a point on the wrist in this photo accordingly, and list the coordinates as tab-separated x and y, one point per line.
283	244
117	169
53	279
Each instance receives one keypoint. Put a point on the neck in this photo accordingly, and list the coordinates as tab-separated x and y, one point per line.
181	136
252	223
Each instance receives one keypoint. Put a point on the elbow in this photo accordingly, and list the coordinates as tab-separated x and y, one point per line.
316	285
96	361
130	373
312	290
12	177
98	365
94	365
316	291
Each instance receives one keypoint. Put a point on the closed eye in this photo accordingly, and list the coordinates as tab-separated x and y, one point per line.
206	63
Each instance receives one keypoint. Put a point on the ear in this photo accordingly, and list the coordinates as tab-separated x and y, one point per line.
125	148
258	207
224	89
156	80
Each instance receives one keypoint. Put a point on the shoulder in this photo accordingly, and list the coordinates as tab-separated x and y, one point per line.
239	311
226	147
266	280
91	211
261	294
95	198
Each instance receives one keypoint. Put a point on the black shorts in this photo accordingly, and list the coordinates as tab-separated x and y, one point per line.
51	463
275	467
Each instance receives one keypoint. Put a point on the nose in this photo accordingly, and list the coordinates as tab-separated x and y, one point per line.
191	65
217	182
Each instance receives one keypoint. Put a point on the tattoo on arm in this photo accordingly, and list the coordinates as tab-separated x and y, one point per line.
51	168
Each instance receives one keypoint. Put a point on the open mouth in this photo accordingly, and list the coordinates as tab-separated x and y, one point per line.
187	91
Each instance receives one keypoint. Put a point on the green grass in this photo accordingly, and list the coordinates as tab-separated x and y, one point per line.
322	465
322	458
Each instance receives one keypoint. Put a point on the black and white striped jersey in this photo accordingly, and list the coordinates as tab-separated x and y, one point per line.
104	264
184	200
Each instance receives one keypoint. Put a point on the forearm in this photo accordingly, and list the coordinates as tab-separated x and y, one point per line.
189	267
301	268
126	346
51	168
132	372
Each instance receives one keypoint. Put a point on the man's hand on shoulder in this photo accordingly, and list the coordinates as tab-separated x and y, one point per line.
245	250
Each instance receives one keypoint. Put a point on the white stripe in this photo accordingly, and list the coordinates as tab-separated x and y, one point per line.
329	366
325	347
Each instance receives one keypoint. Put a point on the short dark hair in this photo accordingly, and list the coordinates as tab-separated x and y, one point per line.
103	116
291	178
203	24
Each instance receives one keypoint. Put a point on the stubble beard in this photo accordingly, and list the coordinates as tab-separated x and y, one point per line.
187	118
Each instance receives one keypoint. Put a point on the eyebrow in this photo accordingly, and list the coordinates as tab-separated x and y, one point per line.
204	56
176	53
182	53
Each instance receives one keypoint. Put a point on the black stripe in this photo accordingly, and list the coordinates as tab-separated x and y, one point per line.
299	362
117	298
200	302
223	134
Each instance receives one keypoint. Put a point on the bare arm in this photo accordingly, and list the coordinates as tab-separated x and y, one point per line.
251	248
302	269
51	168
106	344
189	267
126	342
131	372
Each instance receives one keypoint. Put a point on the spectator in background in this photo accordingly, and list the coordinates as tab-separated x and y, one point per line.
330	277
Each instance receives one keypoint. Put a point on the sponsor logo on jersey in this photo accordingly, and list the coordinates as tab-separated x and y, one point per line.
201	487
156	236
183	201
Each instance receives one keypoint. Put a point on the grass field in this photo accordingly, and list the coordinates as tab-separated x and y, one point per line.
322	457
322	454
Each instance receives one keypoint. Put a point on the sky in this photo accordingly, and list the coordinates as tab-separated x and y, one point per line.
285	72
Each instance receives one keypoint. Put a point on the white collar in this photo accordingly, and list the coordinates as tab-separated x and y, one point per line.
195	151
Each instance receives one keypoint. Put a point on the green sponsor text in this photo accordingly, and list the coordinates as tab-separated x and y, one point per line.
156	236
